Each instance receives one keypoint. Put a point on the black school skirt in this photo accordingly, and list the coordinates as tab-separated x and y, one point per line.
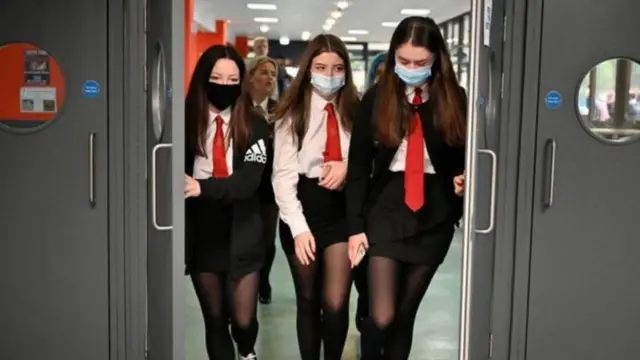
208	236
325	212
422	237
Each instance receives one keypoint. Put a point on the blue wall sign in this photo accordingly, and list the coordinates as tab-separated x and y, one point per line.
91	89
553	100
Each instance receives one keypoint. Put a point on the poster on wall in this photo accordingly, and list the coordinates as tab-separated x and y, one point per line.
36	67
36	99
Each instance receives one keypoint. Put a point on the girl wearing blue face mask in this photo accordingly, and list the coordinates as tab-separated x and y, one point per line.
405	181
311	145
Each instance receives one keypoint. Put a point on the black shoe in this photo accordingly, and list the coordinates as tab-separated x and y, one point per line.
359	323
250	356
361	315
264	296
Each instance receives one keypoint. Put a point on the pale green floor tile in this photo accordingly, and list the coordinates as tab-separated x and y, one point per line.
436	332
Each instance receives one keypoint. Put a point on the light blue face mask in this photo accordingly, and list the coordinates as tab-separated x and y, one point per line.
327	85
413	77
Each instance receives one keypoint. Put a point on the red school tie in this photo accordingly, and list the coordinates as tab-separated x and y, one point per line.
219	156
414	161
332	151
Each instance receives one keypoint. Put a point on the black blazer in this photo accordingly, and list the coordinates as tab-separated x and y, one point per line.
240	191
369	161
266	188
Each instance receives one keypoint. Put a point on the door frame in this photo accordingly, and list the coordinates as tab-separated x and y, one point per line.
117	180
504	338
128	178
522	222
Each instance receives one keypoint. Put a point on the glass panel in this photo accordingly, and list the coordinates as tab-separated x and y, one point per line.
456	33
608	101
158	92
466	30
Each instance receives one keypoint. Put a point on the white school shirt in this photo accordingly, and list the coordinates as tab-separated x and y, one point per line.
289	163
264	105
399	159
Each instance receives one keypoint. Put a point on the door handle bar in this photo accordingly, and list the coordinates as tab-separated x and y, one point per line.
550	152
154	188
494	186
92	169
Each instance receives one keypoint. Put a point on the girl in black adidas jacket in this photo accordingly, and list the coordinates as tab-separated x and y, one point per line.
225	158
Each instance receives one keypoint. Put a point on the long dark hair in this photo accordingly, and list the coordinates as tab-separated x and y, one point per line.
197	105
394	112
296	99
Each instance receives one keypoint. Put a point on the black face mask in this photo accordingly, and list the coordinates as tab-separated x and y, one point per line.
222	96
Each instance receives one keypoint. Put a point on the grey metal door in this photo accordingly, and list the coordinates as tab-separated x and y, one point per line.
584	298
165	263
54	229
484	204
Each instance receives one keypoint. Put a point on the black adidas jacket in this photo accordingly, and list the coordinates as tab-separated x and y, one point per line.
240	190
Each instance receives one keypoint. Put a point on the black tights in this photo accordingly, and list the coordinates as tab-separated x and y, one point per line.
322	294
395	292
270	224
220	298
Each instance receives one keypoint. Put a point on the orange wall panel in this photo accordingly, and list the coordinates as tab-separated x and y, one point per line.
242	45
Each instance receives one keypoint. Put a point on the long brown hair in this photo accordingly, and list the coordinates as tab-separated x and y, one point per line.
197	105
297	98
394	112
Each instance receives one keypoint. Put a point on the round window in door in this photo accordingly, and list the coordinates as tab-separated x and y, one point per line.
158	92
608	101
32	87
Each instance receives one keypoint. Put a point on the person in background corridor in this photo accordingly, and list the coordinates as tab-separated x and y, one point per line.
261	48
311	145
225	158
360	273
262	81
376	69
405	181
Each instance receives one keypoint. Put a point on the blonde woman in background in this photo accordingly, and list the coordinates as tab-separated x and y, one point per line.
263	72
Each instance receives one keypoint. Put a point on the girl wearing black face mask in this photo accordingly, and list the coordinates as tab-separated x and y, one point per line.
225	159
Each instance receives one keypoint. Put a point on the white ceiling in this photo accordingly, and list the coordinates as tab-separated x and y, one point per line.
296	16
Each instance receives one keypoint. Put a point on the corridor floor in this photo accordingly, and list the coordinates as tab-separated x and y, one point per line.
436	333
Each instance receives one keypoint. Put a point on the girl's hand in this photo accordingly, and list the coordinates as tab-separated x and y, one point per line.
305	246
191	187
458	184
333	175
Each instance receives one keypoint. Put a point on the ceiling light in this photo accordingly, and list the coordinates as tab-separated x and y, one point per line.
305	35
264	28
284	40
348	38
358	32
336	14
342	5
266	20
262	6
326	27
330	21
415	12
389	24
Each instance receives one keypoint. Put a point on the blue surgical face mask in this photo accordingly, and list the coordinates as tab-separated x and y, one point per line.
413	77
327	85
